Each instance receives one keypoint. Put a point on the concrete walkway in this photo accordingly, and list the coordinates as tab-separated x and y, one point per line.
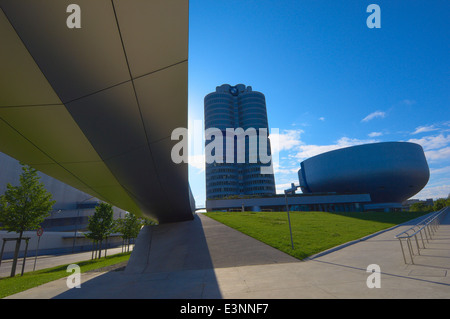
205	259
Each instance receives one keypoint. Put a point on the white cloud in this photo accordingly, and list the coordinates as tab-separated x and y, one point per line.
422	129
284	169
286	140
436	147
440	170
433	155
432	142
441	191
375	134
322	118
197	161
373	115
306	151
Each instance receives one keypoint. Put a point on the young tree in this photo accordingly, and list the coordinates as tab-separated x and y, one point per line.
24	207
129	227
101	224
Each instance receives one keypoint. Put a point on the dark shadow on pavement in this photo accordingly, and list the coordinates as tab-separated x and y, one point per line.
169	261
178	260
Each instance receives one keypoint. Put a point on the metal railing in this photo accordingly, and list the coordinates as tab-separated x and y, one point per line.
422	232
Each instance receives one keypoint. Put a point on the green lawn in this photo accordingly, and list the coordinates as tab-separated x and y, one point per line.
312	232
12	285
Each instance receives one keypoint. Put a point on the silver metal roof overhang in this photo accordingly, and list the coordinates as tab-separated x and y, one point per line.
95	107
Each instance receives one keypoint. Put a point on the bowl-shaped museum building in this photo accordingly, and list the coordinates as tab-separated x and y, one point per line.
391	172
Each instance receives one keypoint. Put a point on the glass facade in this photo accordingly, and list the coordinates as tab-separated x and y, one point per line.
238	107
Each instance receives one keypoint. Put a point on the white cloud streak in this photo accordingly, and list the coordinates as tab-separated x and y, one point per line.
371	116
375	134
423	129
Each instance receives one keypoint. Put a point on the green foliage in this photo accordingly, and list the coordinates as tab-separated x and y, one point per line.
441	203
25	207
423	207
129	226
101	224
420	207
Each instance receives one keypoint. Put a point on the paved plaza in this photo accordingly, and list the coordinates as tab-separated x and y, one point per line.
204	259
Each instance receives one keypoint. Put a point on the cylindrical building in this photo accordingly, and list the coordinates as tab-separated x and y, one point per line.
240	114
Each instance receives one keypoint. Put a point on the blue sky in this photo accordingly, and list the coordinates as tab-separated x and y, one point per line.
329	80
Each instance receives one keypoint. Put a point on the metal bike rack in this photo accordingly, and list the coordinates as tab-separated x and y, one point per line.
425	229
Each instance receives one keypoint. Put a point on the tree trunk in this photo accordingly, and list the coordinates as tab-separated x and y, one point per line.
93	248
16	255
106	246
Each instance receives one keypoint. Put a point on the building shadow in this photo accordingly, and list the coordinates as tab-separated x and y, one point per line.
169	261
